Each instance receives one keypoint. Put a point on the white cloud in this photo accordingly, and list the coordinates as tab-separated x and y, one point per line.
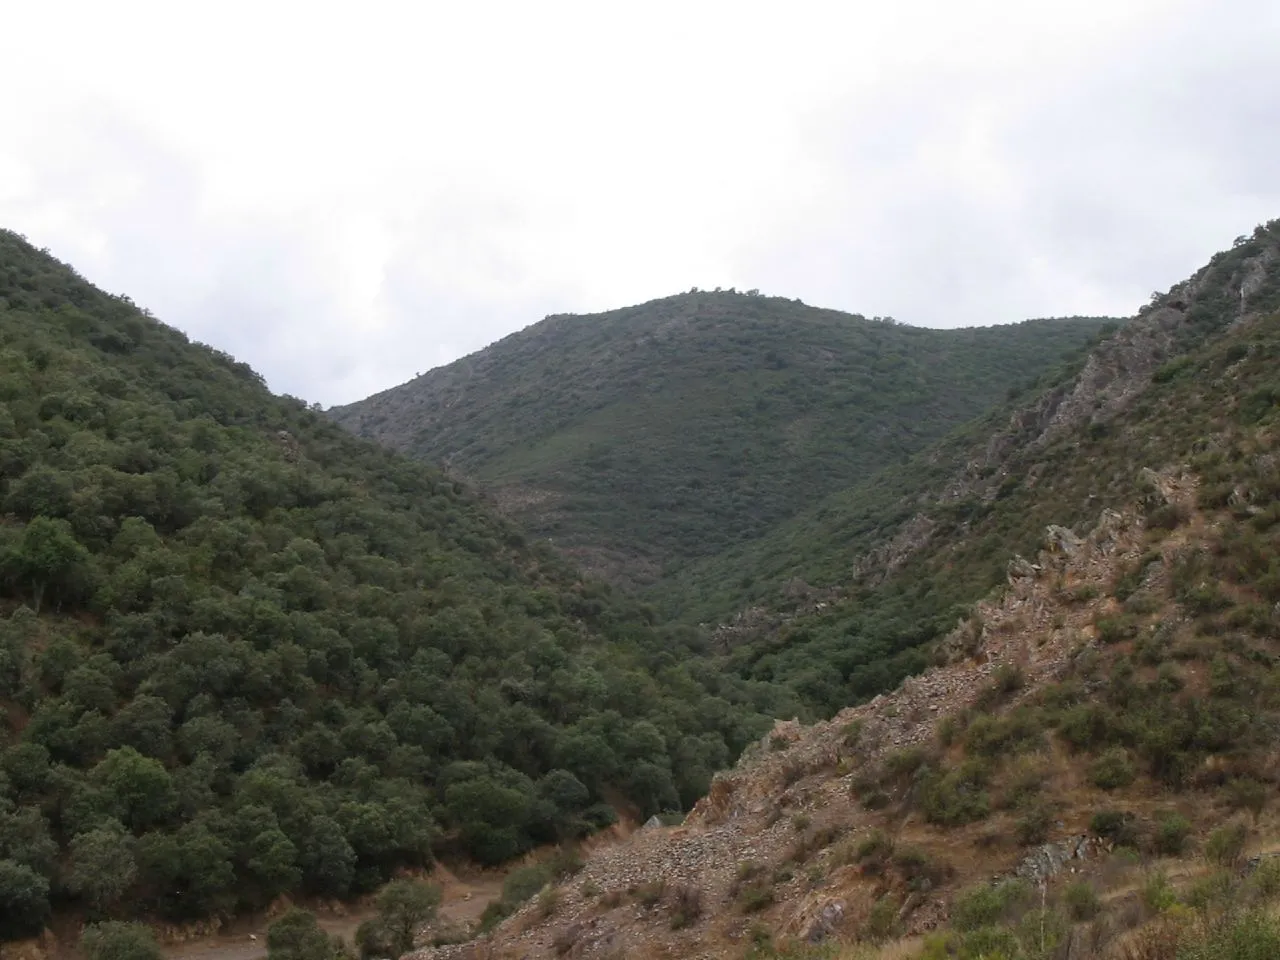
344	196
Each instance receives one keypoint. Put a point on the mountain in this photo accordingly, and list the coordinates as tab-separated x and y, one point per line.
1090	766
245	654
641	439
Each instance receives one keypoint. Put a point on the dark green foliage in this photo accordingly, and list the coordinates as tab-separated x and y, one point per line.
1172	832
1114	825
678	428
119	941
243	653
24	900
1081	900
954	797
403	906
1112	770
297	936
987	905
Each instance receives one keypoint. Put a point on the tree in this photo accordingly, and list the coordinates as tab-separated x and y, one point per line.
297	936
24	901
139	787
119	941
49	556
404	906
102	865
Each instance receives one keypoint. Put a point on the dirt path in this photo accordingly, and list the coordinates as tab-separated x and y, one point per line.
463	902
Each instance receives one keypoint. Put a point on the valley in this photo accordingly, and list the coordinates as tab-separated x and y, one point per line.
898	642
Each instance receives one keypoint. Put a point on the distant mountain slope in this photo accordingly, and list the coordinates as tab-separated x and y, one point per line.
842	602
642	438
243	653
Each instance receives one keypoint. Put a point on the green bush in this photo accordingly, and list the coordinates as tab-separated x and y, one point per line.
1032	826
988	904
1112	770
956	797
1118	827
1172	831
1252	935
1225	845
1081	900
120	941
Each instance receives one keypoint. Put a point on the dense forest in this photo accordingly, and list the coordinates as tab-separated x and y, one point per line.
645	438
243	652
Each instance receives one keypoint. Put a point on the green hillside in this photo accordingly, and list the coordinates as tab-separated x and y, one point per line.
244	653
1201	362
641	439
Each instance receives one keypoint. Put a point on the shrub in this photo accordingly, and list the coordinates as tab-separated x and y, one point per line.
297	936
919	871
1225	845
1112	770
875	800
1245	793
648	895
548	902
877	845
1157	892
1249	936
1114	629
1088	726
1172	831
881	921
1081	900
523	882
755	896
1215	890
686	906
851	733
986	905
1120	828
957	797
119	941
1033	826
992	736
904	762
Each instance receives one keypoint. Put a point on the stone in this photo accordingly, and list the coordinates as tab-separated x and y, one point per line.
827	922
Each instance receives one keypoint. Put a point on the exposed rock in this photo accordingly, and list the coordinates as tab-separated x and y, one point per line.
827	922
1021	568
1049	859
1061	540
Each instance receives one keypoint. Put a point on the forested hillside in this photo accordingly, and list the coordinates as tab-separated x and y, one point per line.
640	439
243	652
889	566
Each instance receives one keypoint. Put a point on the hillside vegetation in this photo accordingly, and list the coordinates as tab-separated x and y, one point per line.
888	566
243	653
639	439
1091	767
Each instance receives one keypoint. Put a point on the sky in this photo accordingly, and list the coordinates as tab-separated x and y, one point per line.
346	195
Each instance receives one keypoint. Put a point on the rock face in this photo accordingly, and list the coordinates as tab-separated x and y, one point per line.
1050	859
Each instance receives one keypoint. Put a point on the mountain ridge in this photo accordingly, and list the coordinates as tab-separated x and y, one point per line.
643	437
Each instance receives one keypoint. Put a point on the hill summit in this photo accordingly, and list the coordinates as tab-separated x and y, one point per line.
640	439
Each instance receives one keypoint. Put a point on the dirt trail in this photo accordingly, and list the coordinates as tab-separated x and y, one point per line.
464	901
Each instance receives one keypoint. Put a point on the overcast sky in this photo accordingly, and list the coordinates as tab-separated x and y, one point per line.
345	195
